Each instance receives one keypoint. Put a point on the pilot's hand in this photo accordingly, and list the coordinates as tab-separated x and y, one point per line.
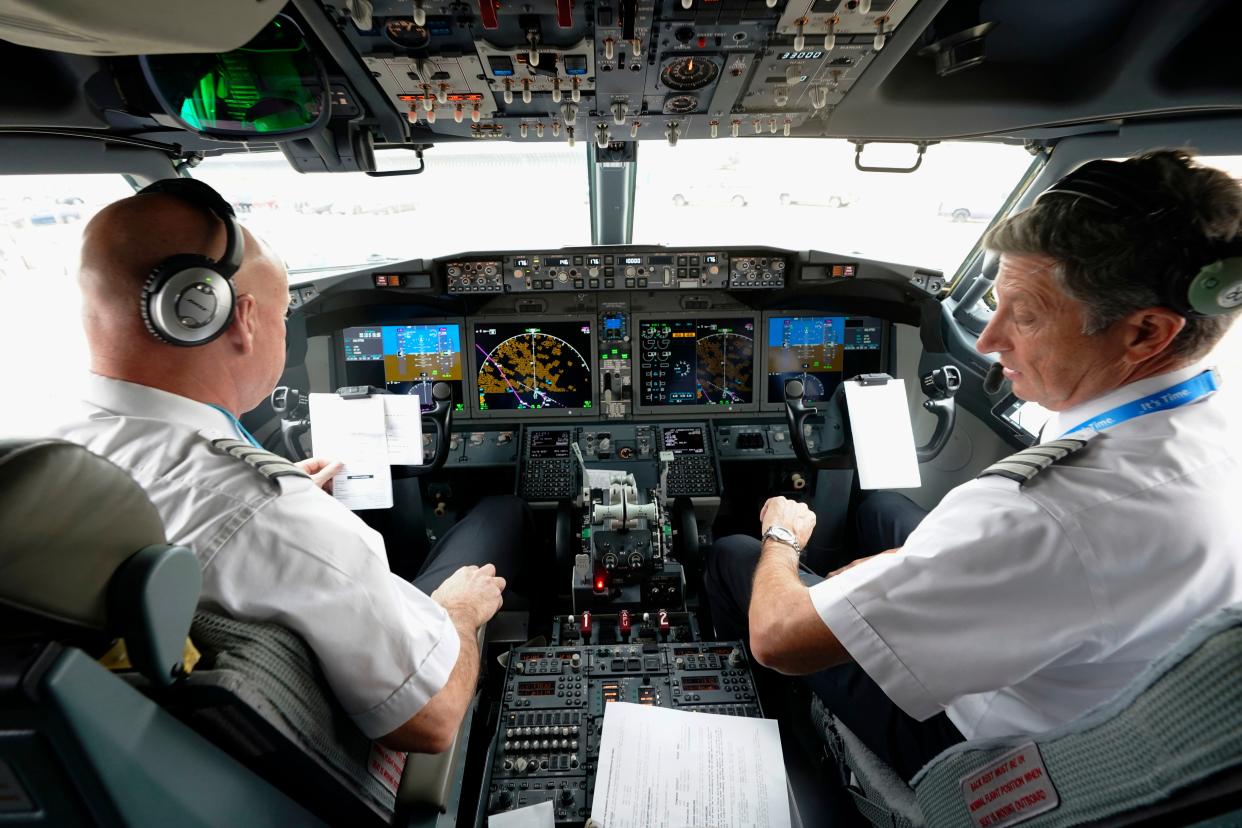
794	516
472	593
321	471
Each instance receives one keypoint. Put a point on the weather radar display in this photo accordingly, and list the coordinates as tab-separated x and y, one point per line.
820	351
414	358
687	362
533	365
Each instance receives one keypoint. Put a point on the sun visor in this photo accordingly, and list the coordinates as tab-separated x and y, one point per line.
134	27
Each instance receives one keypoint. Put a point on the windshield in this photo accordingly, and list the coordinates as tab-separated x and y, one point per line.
470	197
806	194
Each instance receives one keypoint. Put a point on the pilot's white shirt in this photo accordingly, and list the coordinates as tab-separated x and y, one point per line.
278	550
1016	609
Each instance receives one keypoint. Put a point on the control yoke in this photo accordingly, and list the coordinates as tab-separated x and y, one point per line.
290	404
939	385
441	417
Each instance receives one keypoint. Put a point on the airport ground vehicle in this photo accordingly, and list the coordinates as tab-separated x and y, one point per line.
516	229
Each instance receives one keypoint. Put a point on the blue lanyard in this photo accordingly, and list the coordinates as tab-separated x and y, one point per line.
237	424
1181	394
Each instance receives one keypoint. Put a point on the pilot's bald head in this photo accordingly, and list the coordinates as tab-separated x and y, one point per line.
122	244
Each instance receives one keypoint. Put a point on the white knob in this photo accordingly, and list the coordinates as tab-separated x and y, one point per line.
420	14
758	125
602	137
556	90
523	130
619	110
685	4
539	129
569	133
525	90
788	124
800	38
781	96
458	113
636	46
771	4
412	115
361	12
442	94
508	92
830	39
634	129
819	97
428	100
556	128
735	128
532	54
877	42
772	125
575	94
864	6
569	112
672	132
431	116
715	128
608	48
793	74
475	114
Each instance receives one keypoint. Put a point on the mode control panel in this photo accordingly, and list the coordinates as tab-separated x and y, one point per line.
757	272
475	277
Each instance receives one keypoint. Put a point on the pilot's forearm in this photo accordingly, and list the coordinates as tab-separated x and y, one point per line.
786	633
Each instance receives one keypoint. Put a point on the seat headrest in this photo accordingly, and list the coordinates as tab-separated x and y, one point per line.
69	519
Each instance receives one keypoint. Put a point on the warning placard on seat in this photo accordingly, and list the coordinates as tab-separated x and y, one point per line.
386	766
1010	789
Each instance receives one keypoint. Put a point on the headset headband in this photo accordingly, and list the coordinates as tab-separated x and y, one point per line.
201	195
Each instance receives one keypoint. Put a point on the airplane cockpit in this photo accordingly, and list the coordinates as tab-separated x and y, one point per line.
639	264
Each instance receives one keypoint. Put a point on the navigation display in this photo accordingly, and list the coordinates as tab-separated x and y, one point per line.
407	359
821	351
693	362
533	364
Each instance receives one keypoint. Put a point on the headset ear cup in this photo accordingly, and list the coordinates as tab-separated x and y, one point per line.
1216	289
159	275
186	301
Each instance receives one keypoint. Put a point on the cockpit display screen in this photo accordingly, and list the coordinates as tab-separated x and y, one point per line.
821	351
693	362
548	444
533	365
688	440
413	358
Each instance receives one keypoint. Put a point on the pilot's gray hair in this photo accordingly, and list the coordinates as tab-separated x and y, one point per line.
1105	262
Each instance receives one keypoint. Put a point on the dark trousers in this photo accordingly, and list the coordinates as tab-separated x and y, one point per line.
884	521
499	530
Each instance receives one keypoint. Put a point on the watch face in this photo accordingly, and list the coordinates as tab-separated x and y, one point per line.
781	533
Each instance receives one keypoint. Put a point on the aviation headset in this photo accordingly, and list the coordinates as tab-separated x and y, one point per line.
1206	275
188	299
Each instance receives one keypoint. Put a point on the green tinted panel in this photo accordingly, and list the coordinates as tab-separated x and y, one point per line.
270	86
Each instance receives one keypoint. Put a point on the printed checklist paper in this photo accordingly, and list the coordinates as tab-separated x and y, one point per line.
367	435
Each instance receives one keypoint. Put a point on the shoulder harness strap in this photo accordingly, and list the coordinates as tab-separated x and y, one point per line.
1026	464
265	463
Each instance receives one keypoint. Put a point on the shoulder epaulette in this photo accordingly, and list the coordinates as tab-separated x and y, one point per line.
265	463
1023	466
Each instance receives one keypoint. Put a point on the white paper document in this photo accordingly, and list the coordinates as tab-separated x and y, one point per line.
403	426
883	436
661	768
353	432
532	816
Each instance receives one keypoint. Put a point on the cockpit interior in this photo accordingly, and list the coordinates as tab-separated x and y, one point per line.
628	257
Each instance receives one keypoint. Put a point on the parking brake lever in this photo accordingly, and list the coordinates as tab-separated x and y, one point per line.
939	384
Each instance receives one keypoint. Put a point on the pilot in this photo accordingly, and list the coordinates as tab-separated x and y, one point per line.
1038	590
402	658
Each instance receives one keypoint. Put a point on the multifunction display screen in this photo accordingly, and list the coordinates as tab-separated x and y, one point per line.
821	351
687	440
407	359
533	365
691	362
545	445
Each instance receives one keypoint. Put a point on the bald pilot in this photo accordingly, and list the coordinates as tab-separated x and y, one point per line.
401	657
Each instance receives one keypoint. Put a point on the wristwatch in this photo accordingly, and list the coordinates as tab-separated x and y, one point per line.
782	535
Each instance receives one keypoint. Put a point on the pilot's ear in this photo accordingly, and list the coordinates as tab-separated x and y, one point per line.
1150	331
245	325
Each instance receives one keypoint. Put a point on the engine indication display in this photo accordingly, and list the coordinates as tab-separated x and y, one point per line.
691	362
821	351
533	365
414	358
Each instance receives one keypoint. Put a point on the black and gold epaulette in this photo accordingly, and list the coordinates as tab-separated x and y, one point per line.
265	463
1027	463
